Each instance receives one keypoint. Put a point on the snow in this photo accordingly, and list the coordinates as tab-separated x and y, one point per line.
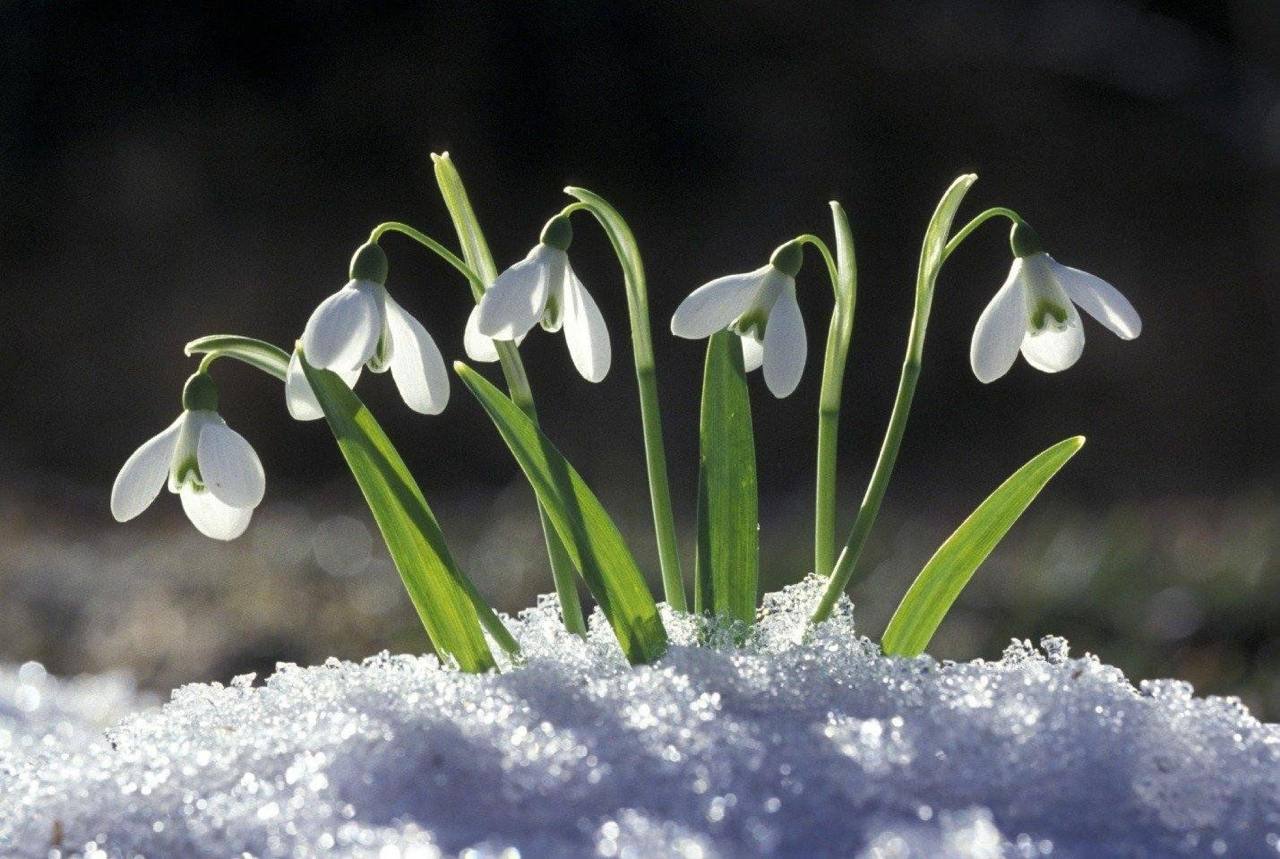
792	746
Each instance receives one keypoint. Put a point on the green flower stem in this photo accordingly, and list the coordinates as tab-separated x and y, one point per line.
267	357
481	273
477	285
932	254
274	361
844	281
821	246
964	232
628	254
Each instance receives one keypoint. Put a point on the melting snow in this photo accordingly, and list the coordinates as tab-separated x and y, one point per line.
793	746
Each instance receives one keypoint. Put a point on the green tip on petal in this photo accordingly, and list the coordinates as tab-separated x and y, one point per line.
369	263
1024	240
788	258
200	394
558	233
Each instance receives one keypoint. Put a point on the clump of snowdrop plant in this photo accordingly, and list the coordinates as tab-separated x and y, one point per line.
749	321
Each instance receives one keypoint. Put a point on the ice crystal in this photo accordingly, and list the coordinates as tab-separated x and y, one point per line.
802	742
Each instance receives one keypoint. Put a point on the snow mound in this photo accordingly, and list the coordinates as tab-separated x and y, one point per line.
36	709
792	746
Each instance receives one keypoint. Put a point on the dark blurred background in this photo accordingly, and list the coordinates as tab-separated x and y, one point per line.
171	170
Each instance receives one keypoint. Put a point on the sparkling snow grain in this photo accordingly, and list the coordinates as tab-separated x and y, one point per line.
792	746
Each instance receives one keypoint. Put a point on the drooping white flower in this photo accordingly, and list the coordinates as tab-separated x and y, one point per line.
1035	312
760	307
479	347
210	466
542	288
361	325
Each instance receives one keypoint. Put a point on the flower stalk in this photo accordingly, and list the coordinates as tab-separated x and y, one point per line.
628	254
844	280
932	255
475	251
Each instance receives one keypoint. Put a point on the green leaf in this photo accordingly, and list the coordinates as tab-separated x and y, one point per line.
475	250
939	230
446	601
727	568
930	597
256	353
592	539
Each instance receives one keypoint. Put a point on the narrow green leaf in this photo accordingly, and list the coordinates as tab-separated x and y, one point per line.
592	539
930	597
939	230
727	567
445	599
475	250
256	353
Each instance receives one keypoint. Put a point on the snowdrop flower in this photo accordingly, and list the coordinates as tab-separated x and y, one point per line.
542	288
209	465
479	347
1035	312
760	307
361	325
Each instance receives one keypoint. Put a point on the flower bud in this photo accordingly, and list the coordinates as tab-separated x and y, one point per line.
558	233
200	394
369	263
788	258
1024	240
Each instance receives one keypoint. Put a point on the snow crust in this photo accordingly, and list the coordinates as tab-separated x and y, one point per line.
792	746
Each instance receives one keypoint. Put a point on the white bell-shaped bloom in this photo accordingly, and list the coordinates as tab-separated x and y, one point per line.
542	288
361	325
479	347
760	307
210	466
1035	313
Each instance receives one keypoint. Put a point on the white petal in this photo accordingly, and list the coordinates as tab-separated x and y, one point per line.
298	396
1100	300
1000	329
343	332
516	300
479	347
584	329
752	352
229	467
213	518
143	474
1055	348
416	363
785	344
714	306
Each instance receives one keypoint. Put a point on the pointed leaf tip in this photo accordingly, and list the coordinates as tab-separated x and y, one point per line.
947	573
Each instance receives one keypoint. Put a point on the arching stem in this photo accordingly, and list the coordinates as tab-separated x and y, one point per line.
933	252
628	254
483	272
844	281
